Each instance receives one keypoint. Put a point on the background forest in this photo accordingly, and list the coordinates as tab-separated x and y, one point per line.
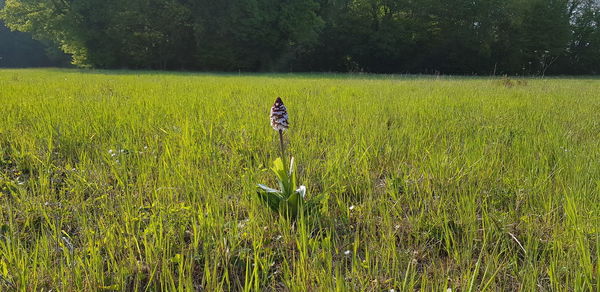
480	37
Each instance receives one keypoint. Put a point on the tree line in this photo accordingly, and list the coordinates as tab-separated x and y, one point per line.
18	49
385	36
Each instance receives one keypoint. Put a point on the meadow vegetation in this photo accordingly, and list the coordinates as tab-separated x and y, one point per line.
146	181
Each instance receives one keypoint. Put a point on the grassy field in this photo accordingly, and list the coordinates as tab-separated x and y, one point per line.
146	181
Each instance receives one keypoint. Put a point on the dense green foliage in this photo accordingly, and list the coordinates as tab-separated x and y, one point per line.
18	49
460	36
123	181
207	34
425	36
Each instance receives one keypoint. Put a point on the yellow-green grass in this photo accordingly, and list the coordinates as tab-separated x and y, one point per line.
146	181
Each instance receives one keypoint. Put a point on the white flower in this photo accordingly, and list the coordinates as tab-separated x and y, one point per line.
302	191
347	252
351	208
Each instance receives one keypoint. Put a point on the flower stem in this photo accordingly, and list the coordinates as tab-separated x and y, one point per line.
282	148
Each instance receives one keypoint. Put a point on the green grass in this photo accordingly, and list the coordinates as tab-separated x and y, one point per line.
464	183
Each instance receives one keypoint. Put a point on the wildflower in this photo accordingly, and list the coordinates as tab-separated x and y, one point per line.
289	200
347	252
301	190
279	122
279	116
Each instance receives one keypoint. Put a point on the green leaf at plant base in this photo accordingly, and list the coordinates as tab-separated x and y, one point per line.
292	175
282	177
289	201
293	205
270	199
268	189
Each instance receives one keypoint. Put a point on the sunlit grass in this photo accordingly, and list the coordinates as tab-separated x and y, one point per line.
128	180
